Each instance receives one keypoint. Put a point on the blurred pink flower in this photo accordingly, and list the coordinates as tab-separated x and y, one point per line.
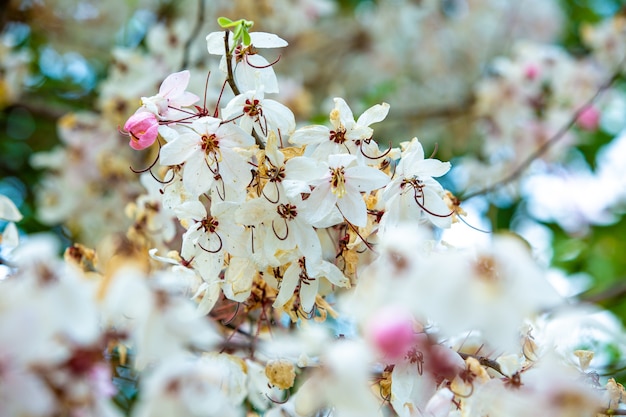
391	331
589	118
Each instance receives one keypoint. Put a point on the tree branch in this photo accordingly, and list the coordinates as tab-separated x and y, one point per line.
194	33
233	86
609	296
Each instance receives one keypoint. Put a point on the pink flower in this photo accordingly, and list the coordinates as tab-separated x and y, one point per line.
391	332
172	96
589	118
143	128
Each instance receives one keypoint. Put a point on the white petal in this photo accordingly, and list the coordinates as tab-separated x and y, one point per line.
431	168
330	272
308	292
197	177
301	168
320	203
288	285
168	133
179	150
235	105
307	240
440	214
279	117
215	43
232	136
255	211
210	294
208	264
353	208
234	170
345	113
309	135
175	84
374	114
191	210
267	40
238	279
341	160
153	254
366	178
255	72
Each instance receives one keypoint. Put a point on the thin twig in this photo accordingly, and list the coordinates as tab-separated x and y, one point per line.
194	33
609	296
546	145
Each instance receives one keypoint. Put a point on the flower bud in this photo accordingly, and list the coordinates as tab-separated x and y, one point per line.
143	128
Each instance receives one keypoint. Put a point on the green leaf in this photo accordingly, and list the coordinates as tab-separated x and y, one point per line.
225	22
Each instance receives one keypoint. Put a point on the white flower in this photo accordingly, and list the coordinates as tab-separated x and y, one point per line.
343	384
171	96
211	161
338	186
213	385
209	237
156	313
306	275
413	195
251	70
285	223
346	135
264	115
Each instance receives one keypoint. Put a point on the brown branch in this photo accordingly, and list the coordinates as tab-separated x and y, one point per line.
233	86
229	65
549	143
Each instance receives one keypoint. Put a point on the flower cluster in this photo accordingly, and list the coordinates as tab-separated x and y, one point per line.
265	206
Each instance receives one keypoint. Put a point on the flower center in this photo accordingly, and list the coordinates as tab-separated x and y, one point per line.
252	108
486	269
210	144
338	181
241	52
338	136
287	211
276	174
210	224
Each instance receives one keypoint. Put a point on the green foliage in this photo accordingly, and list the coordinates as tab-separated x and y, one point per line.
579	12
